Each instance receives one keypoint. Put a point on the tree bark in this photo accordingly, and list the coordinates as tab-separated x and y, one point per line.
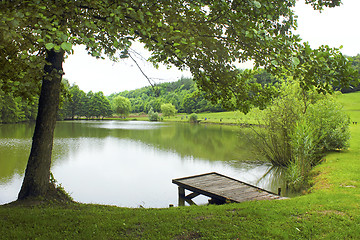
37	173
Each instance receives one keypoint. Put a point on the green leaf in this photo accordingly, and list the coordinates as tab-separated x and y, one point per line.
274	62
66	46
295	61
257	4
49	46
176	44
248	34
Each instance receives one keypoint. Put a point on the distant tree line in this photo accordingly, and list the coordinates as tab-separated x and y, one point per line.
76	104
184	95
17	109
356	64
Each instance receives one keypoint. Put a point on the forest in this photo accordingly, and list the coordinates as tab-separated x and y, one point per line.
183	94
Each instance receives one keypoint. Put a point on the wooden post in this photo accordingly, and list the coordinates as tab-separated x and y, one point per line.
181	196
181	192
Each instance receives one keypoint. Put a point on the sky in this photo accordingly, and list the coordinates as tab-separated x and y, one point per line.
333	26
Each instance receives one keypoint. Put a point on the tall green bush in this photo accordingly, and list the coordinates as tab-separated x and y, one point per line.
121	106
168	109
331	124
304	154
153	116
299	127
193	118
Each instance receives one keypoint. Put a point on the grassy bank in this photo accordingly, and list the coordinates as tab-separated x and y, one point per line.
330	211
234	117
219	117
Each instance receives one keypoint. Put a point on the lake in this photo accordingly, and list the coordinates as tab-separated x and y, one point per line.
132	163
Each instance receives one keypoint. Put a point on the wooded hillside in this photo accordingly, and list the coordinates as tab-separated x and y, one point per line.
183	94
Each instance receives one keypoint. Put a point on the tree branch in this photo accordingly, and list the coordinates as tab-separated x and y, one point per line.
143	73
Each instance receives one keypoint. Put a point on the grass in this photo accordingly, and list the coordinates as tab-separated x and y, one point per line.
234	117
217	118
331	210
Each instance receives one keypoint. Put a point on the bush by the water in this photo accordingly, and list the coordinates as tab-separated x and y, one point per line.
301	126
193	118
153	116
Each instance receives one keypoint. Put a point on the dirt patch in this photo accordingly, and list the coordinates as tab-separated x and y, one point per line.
320	180
201	218
188	236
330	212
55	195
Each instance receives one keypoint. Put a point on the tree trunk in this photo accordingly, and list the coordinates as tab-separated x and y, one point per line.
37	173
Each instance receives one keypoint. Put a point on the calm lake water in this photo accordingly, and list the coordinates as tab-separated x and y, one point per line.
132	163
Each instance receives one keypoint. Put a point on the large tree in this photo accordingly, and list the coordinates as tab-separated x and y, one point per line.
168	109
208	37
121	106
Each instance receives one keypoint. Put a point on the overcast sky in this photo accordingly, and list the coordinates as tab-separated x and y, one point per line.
333	27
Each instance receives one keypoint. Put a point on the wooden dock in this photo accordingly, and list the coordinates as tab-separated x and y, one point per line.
220	188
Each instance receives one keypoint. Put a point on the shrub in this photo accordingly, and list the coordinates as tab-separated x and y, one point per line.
294	179
193	118
299	128
153	116
168	109
330	123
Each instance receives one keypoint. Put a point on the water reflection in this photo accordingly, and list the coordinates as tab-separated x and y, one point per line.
131	163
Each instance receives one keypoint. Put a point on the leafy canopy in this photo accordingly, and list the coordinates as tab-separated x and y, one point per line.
208	37
168	109
121	105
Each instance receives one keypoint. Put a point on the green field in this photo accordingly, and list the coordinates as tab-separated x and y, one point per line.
329	210
235	117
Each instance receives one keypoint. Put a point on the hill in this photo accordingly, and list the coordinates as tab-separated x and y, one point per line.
183	94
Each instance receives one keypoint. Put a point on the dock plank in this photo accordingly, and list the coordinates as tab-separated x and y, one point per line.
224	188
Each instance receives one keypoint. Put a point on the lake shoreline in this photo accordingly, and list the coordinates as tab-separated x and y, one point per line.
169	121
329	211
128	151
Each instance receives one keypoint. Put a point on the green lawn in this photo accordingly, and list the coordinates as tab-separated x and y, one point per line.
234	117
331	210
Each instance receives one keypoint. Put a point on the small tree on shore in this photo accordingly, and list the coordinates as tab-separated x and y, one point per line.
193	118
153	116
168	110
121	106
